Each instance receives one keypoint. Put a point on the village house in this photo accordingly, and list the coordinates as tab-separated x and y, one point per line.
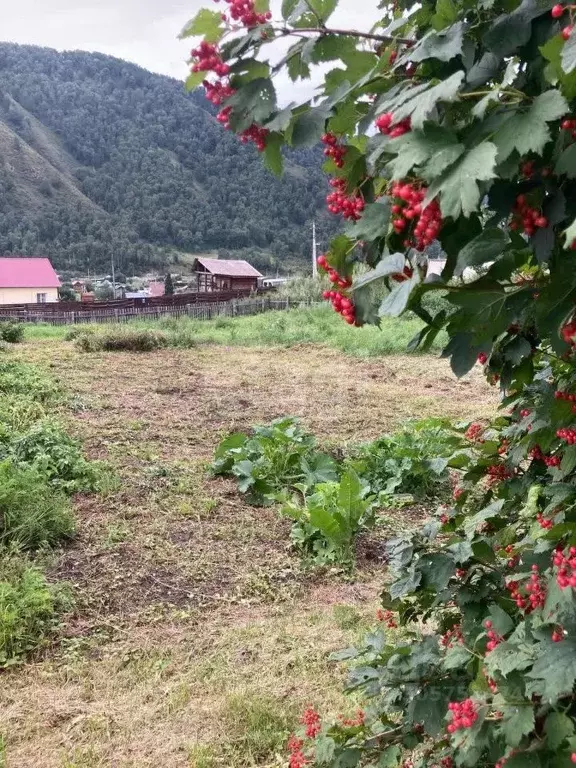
225	275
25	280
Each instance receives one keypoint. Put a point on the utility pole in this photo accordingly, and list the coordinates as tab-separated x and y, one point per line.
113	273
314	262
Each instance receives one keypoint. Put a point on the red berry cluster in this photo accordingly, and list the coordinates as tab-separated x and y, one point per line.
569	125
350	206
244	11
536	589
569	397
333	149
503	447
568	434
408	210
482	358
525	412
257	134
557	637
217	92
341	303
400	277
457	493
494	639
464	715
386	125
353	722
447	762
473	432
209	59
566	564
333	276
311	719
452	637
297	758
569	331
498	472
543	522
460	573
492	685
550	461
387	617
527	218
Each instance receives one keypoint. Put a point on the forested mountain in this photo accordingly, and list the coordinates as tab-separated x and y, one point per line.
98	155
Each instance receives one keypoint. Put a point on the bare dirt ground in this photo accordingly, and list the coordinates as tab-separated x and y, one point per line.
197	638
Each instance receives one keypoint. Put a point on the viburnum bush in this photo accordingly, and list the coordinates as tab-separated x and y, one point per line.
450	122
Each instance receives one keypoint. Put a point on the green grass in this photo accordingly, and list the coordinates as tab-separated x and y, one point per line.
298	326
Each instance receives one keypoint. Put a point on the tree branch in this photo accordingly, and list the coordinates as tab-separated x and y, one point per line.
346	32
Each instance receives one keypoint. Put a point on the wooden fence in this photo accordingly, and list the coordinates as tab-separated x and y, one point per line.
202	310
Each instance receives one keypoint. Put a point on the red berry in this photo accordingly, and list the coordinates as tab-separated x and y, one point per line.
566	32
557	11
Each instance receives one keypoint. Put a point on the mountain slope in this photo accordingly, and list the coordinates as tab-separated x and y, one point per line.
98	155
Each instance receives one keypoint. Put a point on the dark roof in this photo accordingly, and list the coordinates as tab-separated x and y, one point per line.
24	272
228	267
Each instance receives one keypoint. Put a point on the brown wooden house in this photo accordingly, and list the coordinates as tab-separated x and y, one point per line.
225	275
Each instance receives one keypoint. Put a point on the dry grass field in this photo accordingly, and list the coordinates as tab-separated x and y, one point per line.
197	638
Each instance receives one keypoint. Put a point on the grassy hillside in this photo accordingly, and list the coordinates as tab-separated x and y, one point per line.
97	154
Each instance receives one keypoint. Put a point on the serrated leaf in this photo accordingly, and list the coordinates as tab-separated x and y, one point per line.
456	657
308	127
288	8
390	265
252	103
554	671
396	301
443	46
193	80
527	131
516	723
569	54
280	120
273	159
568	460
558	728
458	185
510	31
419	146
489	244
462	352
206	24
420	103
566	164
295	65
484	70
374	222
446	14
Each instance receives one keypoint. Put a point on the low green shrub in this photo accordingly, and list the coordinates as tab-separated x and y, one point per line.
276	456
327	521
22	379
29	608
32	514
11	332
412	460
78	330
51	452
121	340
18	413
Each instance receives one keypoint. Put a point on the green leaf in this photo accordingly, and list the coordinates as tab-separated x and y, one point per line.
207	24
554	671
516	723
193	80
308	127
295	65
280	120
288	8
558	727
390	757
458	185
484	70
568	460
569	54
252	103
489	244
433	143
374	222
523	760
510	31
446	14
419	102
273	159
322	519
462	352
390	265
443	46
428	708
566	163
349	492
396	301
527	131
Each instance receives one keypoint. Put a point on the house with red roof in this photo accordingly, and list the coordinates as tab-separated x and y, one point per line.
25	280
225	275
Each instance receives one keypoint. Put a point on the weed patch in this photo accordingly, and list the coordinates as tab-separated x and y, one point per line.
119	340
11	332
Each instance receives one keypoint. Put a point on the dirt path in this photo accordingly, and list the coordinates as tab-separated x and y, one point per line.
197	637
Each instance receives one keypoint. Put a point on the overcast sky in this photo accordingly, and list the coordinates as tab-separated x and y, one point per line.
142	31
